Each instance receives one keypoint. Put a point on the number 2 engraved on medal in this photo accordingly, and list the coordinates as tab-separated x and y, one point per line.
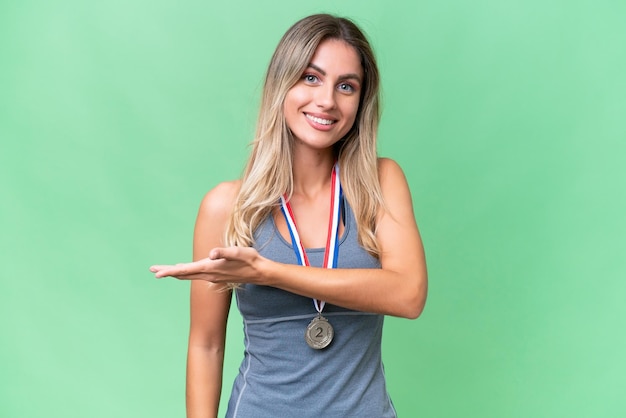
319	333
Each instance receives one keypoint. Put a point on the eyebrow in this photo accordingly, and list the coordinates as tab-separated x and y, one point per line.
341	77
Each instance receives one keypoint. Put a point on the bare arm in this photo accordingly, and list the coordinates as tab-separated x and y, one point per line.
209	310
399	288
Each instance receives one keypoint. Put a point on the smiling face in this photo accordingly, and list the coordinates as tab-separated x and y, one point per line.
321	107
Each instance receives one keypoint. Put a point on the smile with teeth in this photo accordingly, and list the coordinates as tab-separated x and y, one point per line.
320	120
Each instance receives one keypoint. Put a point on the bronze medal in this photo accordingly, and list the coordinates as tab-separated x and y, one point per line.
319	333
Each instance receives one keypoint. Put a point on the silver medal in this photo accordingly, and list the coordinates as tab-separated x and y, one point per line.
319	333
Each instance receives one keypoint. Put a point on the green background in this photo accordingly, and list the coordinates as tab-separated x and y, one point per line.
507	116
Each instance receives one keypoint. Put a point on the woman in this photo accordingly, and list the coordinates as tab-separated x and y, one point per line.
314	182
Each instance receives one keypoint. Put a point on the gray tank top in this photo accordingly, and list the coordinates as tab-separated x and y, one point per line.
280	375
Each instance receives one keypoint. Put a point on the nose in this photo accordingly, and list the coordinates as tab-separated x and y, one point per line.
325	96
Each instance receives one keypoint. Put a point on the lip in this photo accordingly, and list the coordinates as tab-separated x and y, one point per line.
317	125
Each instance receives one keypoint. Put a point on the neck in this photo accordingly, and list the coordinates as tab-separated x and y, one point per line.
311	171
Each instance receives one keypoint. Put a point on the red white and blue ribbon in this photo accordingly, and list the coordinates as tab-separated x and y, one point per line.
332	241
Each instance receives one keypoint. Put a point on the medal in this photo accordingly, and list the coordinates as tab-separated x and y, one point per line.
319	333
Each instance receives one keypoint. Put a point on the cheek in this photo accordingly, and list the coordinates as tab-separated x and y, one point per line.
351	110
291	106
294	99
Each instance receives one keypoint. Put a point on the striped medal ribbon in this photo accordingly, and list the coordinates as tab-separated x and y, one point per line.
319	333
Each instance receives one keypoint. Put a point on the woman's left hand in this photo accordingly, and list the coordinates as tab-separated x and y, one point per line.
223	265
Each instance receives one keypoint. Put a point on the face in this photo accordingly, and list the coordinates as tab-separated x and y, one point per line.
321	107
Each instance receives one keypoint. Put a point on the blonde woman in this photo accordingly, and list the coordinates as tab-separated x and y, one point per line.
318	241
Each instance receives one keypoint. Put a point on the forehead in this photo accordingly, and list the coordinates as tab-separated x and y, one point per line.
337	57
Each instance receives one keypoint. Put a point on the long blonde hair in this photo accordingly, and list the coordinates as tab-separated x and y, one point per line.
268	173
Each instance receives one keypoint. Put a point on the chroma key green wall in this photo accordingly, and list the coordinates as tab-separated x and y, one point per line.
507	116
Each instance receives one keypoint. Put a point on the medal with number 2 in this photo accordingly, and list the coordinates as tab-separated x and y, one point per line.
319	333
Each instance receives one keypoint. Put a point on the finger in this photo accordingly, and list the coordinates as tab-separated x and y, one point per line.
178	274
191	266
228	253
211	278
159	267
173	272
161	274
215	253
185	269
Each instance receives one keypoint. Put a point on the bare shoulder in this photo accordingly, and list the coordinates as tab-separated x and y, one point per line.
219	201
213	217
395	190
390	174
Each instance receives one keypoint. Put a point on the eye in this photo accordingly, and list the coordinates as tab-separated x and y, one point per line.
310	78
346	88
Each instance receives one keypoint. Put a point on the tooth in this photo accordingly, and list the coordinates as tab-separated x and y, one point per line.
320	120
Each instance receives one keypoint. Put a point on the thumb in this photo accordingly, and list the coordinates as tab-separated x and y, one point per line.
216	253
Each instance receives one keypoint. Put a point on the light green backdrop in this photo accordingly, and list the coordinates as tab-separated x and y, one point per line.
507	116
